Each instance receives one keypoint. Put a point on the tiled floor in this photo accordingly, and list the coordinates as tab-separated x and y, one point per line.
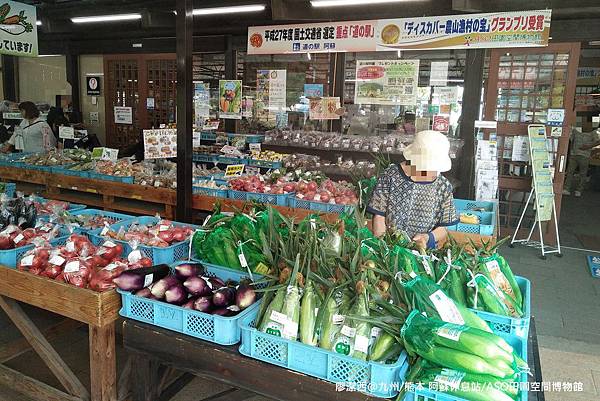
565	303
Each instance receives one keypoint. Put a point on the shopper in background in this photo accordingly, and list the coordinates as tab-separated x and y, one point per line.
413	197
582	142
4	134
33	134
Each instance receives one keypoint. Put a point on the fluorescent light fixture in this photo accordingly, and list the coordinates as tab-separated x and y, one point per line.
308	56
595	43
38	22
229	10
339	3
49	55
106	18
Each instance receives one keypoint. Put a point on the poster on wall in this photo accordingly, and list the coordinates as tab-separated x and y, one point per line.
92	85
18	30
270	93
201	102
325	108
438	75
445	95
230	99
123	115
390	82
313	90
247	106
485	30
160	143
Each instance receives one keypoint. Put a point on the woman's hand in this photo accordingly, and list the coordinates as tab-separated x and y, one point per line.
379	227
421	240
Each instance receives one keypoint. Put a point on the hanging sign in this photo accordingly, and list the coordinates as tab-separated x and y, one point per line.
270	93
160	143
92	85
391	82
230	99
66	132
123	115
201	102
555	117
18	30
542	175
489	30
325	108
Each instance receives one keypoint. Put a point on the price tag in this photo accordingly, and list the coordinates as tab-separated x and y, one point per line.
279	317
255	147
134	256
361	344
66	132
18	238
243	260
70	246
148	279
163	228
57	260
27	260
105	230
338	319
234	170
230	150
109	244
72	266
348	331
252	170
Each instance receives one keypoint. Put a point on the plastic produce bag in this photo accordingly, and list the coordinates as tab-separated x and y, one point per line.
497	269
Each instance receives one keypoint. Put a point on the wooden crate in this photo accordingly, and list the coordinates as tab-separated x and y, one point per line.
87	306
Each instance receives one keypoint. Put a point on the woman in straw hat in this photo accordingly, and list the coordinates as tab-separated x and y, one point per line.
413	197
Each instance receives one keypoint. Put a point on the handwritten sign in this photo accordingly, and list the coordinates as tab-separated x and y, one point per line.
234	170
66	132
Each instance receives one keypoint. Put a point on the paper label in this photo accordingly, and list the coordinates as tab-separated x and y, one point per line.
498	277
163	228
279	317
72	266
375	332
134	256
112	266
290	330
338	319
361	344
27	260
57	260
148	279
450	378
109	244
446	308
45	228
449	332
18	238
70	246
243	260
104	231
348	331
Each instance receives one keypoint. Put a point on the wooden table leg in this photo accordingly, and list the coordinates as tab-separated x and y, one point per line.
103	363
145	378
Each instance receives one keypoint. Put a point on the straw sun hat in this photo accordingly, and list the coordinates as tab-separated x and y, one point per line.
429	152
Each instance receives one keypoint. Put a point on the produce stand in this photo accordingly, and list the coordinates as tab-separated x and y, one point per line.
98	310
154	346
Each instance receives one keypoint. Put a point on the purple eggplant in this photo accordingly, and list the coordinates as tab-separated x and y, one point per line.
203	304
176	294
197	286
160	287
187	270
222	312
144	293
223	297
189	304
216	283
133	280
245	296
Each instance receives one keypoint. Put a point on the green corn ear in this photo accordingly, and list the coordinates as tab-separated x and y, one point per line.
307	315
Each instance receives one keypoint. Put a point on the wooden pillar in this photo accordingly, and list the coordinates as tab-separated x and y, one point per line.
185	29
103	363
9	78
470	113
231	61
337	72
72	64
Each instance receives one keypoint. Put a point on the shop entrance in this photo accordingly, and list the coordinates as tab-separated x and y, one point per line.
523	84
146	83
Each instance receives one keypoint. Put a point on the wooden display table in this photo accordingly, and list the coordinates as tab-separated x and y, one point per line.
153	347
98	310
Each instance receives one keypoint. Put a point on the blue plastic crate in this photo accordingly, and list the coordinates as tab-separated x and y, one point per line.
73	207
422	393
9	189
231	160
64	170
218	193
504	325
265	164
107	177
271	199
10	257
203	157
111	218
383	380
475	206
213	328
169	254
318	206
486	225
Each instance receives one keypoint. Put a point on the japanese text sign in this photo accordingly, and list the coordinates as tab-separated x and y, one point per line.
18	30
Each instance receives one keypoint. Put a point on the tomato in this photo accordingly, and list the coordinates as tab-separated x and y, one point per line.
312	186
5	242
166	236
179	236
119	250
146	262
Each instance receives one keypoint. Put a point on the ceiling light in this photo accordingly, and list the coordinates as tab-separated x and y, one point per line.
595	43
229	10
106	18
337	3
38	22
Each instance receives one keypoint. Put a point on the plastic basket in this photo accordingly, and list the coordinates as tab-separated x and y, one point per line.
231	160
380	380
169	254
213	328
485	227
504	325
203	157
10	257
422	393
66	171
9	189
264	163
108	177
73	207
318	206
111	218
218	193
475	207
271	199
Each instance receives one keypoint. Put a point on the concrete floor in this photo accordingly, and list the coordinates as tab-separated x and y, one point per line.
565	303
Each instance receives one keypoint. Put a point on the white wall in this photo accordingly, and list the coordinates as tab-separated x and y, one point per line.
42	78
92	65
